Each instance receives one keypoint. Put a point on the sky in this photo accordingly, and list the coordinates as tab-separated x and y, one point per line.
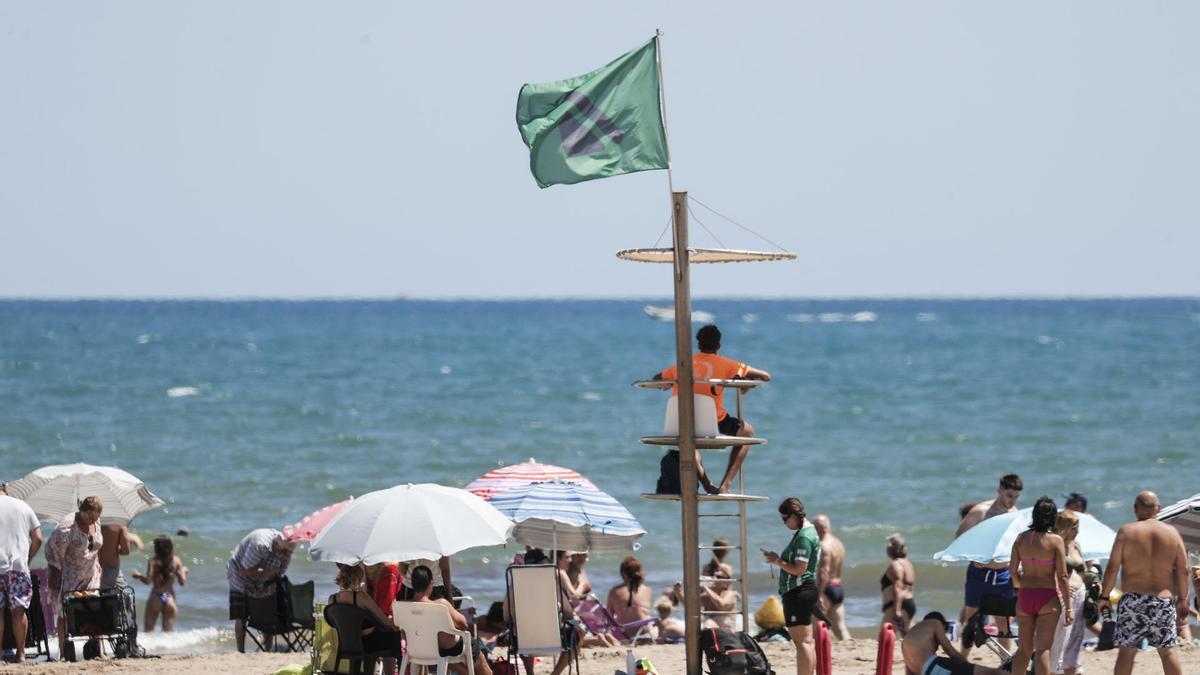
229	149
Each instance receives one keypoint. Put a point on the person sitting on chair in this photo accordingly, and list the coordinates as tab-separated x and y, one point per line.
448	645
708	365
351	581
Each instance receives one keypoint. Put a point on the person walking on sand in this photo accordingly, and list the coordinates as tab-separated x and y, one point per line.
1039	572
797	581
163	571
990	578
829	577
920	651
1152	560
708	365
20	539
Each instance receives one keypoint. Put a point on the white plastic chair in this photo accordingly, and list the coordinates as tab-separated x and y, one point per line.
421	622
706	417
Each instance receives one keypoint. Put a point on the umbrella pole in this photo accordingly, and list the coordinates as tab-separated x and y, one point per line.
689	508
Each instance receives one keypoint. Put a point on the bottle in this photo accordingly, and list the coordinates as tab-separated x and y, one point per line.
630	662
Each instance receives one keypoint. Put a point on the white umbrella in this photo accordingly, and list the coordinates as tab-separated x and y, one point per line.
407	522
54	492
993	538
1185	516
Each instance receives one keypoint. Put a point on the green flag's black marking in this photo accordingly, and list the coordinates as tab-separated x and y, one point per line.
578	139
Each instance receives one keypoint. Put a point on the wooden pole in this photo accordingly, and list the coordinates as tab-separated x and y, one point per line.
687	443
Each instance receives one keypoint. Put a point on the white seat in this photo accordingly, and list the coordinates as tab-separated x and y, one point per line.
421	622
533	601
706	417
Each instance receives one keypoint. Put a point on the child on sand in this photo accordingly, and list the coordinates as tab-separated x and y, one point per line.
162	571
670	629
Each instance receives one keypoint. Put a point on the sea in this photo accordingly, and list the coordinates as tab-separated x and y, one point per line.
887	415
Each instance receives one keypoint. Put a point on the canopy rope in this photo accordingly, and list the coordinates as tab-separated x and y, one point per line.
722	215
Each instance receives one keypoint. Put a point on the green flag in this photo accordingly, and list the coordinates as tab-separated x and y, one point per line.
605	123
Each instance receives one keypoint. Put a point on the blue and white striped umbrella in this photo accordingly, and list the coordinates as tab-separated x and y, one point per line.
569	517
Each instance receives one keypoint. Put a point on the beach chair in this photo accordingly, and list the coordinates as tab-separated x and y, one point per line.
534	598
36	637
975	633
599	621
706	417
275	616
303	615
349	621
421	622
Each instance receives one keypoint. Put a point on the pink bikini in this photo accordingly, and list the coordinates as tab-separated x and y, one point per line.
1031	600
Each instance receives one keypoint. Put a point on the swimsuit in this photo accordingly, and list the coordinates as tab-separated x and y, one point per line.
983	581
1145	616
1032	600
943	665
907	604
835	593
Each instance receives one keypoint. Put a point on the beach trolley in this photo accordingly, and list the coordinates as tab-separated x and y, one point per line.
101	615
36	637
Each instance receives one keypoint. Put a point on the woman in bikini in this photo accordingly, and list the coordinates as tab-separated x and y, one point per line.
1039	573
162	572
630	600
897	581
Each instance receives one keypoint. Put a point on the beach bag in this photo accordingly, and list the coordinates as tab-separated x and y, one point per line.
729	653
668	474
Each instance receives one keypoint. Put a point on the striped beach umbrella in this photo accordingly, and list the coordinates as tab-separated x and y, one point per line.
568	516
1185	516
308	526
54	492
496	481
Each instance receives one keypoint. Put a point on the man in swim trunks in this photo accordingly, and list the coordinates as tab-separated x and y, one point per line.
920	651
1154	576
990	578
829	577
708	365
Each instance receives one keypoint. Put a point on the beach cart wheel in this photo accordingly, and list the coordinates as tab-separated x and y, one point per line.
69	651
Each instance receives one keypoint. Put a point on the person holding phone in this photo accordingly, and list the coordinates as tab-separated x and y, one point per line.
798	581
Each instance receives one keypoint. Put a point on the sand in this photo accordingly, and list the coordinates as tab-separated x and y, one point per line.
850	658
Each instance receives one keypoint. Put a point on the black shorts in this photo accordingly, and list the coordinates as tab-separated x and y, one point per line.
836	594
730	426
456	650
798	605
383	641
237	605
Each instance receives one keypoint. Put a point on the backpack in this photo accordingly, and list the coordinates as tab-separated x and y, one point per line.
668	474
729	653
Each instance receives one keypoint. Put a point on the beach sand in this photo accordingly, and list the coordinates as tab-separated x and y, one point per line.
849	658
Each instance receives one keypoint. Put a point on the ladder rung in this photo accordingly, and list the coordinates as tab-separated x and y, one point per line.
722	611
706	498
730	547
718	515
706	442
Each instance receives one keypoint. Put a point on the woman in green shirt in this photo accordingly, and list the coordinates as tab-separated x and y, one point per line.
797	581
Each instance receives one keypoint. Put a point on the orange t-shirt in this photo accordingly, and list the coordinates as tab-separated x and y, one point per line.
707	366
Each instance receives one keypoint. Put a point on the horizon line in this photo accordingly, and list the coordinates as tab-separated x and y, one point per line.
596	298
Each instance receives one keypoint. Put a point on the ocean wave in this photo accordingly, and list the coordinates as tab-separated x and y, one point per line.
864	317
800	317
927	316
192	641
179	392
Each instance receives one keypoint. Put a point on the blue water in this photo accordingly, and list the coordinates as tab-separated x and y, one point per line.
249	414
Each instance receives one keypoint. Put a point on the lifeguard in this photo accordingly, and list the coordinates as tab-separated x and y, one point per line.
708	365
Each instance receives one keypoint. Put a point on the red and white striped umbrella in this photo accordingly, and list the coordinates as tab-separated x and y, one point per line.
496	481
310	525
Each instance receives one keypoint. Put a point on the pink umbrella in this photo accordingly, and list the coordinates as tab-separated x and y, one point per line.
496	481
310	525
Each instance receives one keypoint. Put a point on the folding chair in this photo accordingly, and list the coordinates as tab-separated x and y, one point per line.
36	635
349	621
421	622
275	616
974	632
598	620
303	616
534	599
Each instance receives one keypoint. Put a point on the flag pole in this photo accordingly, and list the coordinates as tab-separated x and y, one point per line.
689	507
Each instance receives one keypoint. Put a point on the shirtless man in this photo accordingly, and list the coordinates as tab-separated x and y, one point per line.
989	578
118	541
448	645
829	577
708	365
920	648
1154	577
